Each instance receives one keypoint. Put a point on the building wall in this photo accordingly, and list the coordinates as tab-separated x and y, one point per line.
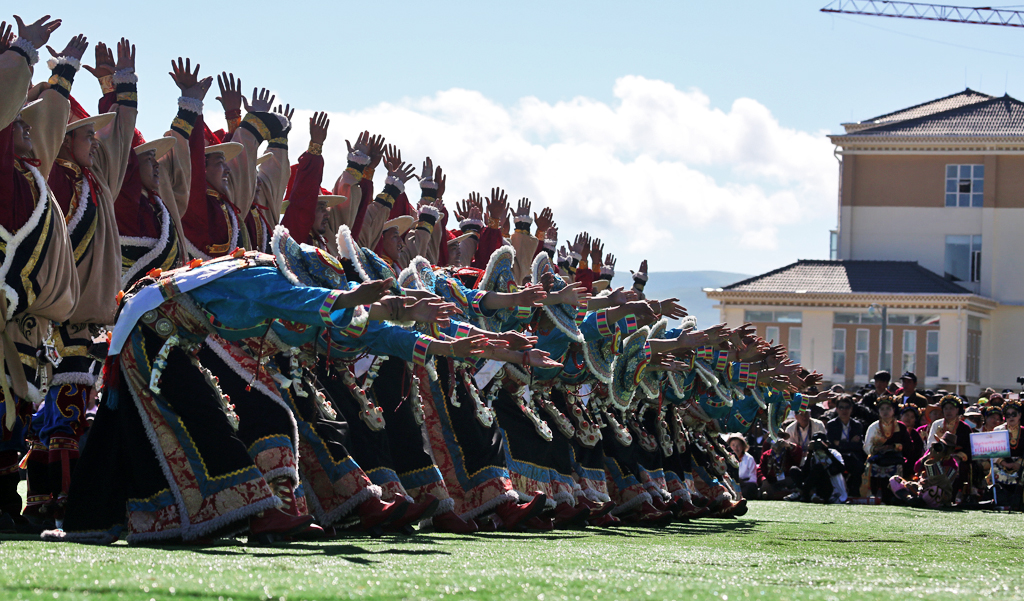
1003	348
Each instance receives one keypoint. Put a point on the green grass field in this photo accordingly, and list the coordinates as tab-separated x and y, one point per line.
777	551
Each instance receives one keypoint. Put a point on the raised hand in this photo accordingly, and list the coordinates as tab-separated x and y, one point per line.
462	210
395	166
596	250
105	64
642	271
285	110
523	209
475	200
38	32
545	220
261	101
581	244
231	97
691	339
618	297
6	36
552	233
441	180
428	170
188	81
427	310
643	312
374	148
75	49
318	125
671	308
716	334
125	55
573	294
497	208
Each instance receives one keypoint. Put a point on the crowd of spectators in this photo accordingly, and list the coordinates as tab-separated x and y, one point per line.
887	443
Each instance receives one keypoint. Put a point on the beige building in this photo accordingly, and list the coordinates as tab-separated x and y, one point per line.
938	189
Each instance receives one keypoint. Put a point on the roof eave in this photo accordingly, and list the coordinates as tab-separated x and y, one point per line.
950	298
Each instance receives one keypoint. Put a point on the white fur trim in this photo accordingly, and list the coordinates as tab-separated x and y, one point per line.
640	277
63	60
285	123
590	365
126	76
157	246
576	255
428	184
280	232
523	219
396	182
192	105
194	252
468	222
359	157
430	210
350	250
83	202
594	495
14	240
77	377
495	257
608	271
632	504
27	47
283	472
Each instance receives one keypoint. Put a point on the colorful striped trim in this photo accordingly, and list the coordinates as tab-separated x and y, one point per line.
62	84
475	297
462	331
602	323
706	354
354	173
739	418
751	380
256	125
721	360
182	126
523	313
743	376
631	325
581	314
325	307
356	327
419	351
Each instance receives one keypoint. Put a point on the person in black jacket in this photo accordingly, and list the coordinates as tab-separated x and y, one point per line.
846	434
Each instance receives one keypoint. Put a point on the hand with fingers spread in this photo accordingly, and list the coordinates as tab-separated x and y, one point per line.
125	55
318	125
552	234
428	171
523	209
75	49
497	208
532	295
188	80
427	310
105	64
374	148
261	101
544	221
231	96
596	250
574	294
691	339
364	294
441	180
580	246
285	110
716	334
470	346
476	200
642	310
540	359
670	308
462	210
38	32
396	168
617	297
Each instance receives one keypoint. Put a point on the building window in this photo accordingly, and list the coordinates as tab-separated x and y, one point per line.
931	354
771	334
894	319
860	363
886	350
973	349
963	258
833	245
909	350
773	316
838	352
793	348
965	185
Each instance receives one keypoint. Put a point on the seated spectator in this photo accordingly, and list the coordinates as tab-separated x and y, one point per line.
935	477
886	444
846	435
775	464
992	417
819	478
747	476
881	388
802	428
1008	470
910	416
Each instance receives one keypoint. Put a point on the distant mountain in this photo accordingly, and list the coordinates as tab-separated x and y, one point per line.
688	287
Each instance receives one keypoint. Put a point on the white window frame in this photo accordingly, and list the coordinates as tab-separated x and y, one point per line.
839	350
909	361
973	177
862	356
793	347
931	357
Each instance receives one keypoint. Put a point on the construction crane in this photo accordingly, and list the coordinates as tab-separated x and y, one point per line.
981	15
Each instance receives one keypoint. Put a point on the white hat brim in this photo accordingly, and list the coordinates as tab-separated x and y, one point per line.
160	146
263	158
31	107
97	121
229	149
402	222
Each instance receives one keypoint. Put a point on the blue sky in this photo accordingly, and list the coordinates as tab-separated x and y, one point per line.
689	133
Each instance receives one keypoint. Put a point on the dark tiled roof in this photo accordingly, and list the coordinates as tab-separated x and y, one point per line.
968	96
993	117
856	277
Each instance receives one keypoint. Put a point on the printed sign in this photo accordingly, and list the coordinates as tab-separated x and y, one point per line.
988	445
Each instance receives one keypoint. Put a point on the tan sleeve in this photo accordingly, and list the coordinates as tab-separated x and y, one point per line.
417	243
373	224
58	278
271	181
16	75
526	248
242	180
115	140
48	123
176	176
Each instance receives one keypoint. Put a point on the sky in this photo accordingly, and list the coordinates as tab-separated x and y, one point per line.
691	134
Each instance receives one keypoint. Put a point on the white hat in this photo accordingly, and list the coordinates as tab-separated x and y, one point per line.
402	222
263	158
160	146
332	200
30	107
229	149
97	121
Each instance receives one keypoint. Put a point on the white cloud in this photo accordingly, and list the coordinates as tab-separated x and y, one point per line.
659	174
